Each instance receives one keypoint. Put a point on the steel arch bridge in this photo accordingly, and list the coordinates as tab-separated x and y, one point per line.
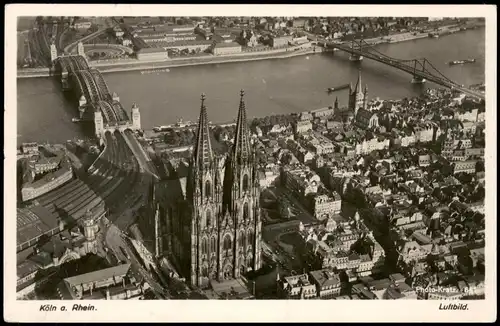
101	84
78	84
108	112
421	69
88	82
90	85
83	86
71	63
120	112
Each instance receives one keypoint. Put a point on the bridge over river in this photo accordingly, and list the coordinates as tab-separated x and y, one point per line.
97	103
93	93
117	183
421	69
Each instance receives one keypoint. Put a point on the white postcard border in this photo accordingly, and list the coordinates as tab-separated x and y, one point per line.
253	310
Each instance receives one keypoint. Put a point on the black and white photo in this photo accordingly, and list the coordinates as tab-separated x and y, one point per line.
253	157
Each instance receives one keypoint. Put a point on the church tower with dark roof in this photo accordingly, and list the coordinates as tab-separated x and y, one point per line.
358	96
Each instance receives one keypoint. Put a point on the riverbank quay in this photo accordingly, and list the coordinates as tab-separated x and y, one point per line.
176	138
410	36
135	65
180	62
33	72
172	63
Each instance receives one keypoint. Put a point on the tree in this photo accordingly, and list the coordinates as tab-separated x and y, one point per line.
254	123
93	28
183	139
480	166
283	119
273	120
446	170
172	138
190	135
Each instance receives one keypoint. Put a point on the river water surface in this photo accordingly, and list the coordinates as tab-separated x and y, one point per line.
271	86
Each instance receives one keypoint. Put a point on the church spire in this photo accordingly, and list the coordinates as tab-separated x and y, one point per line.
359	87
202	154
241	148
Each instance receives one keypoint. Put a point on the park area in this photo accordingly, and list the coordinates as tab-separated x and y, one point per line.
106	51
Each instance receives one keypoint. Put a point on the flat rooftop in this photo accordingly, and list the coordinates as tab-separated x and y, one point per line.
227	45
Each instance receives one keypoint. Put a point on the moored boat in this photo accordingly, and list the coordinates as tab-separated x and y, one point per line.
160	128
179	124
460	62
355	58
333	89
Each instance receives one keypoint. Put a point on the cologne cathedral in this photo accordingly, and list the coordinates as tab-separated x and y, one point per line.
206	217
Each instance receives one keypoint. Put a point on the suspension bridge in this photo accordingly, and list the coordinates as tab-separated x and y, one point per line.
421	69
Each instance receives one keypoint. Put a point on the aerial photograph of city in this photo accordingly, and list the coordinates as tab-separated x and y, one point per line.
275	158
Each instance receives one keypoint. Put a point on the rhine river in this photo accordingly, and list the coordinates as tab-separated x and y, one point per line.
275	86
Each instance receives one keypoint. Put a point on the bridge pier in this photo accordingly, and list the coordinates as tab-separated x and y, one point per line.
64	81
53	53
418	80
101	139
355	57
60	69
81	112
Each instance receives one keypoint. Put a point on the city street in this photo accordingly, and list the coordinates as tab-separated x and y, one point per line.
287	261
299	212
115	241
87	38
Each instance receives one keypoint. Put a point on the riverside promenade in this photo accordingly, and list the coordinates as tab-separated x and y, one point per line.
134	65
206	60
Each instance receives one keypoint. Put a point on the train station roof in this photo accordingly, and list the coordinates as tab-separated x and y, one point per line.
33	222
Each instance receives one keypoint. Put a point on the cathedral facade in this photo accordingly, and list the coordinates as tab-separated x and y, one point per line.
207	219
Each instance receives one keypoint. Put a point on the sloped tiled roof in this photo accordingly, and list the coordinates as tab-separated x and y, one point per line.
100	275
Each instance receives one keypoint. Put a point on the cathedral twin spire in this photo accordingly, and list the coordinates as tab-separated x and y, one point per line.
241	148
203	154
